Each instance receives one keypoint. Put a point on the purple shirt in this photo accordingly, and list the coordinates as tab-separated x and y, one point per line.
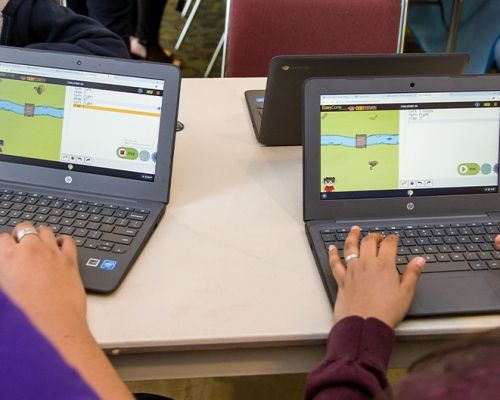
30	367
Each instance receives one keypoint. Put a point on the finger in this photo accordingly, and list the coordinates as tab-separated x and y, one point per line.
411	274
389	248
351	245
497	241
338	269
369	245
47	235
29	238
67	245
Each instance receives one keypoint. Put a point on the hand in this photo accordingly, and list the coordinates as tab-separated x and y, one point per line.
370	285
497	241
40	274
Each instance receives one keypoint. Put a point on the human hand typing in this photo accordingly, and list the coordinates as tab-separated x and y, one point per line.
370	285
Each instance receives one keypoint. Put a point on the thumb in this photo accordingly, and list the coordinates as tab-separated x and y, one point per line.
412	274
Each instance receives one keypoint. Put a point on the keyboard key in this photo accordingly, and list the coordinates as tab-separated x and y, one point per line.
486	247
441	226
80	224
126	208
117	238
82	216
403	251
436	241
471	256
104	248
66	230
429	258
53	220
495	255
95	218
56	212
472	247
457	257
137	217
328	238
94	235
485	256
493	264
463	239
107	228
459	248
401	260
441	267
91	244
144	211
80	241
18	207
93	226
479	230
135	224
80	232
119	249
478	265
108	220
125	231
450	240
327	231
431	249
417	250
124	222
107	211
443	257
422	241
476	239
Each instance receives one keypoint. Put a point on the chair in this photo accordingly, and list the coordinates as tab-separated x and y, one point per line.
258	30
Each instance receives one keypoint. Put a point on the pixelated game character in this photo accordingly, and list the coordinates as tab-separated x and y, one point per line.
329	181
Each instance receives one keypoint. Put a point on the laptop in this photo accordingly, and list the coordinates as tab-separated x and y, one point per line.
416	157
279	122
86	148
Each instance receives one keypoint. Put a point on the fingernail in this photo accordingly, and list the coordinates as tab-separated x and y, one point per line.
420	262
331	247
354	227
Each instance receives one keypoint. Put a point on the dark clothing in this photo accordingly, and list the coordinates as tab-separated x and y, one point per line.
30	367
358	353
356	361
113	14
149	15
45	25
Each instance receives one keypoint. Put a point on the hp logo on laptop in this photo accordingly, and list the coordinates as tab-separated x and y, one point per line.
68	179
410	206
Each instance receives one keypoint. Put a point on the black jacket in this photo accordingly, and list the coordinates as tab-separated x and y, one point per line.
45	25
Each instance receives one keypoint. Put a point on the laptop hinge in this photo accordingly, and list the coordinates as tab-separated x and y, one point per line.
493	214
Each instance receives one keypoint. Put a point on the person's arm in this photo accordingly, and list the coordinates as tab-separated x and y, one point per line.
40	276
372	300
45	25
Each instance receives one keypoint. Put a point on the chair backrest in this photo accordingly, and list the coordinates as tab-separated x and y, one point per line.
259	30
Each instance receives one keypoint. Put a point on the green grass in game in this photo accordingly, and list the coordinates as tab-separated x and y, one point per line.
37	136
372	168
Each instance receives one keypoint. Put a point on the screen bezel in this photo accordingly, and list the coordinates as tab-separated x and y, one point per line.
158	190
390	207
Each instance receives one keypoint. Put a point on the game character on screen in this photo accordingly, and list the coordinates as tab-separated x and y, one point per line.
329	184
1	145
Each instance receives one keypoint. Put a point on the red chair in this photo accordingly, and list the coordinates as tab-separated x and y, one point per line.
261	29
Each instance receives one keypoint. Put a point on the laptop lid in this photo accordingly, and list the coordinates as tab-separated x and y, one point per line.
87	124
401	146
281	118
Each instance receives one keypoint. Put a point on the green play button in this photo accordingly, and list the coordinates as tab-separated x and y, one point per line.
468	169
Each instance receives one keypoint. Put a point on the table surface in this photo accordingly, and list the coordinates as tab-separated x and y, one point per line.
227	285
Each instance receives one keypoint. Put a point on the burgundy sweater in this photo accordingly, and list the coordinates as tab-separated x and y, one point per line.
358	353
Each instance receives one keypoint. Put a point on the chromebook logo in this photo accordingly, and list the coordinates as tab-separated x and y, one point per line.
285	67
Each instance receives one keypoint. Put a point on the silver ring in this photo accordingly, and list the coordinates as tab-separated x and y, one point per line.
24	232
351	256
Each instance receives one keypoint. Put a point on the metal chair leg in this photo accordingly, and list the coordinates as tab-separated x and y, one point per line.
214	57
186	8
188	23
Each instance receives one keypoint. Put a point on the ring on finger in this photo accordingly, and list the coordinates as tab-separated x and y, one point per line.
351	256
24	232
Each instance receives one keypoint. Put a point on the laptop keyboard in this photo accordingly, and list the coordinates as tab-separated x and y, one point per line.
445	247
105	227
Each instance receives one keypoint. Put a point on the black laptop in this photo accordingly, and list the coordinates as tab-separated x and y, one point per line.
416	157
86	148
280	122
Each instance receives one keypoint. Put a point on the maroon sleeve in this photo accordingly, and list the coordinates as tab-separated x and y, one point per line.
355	365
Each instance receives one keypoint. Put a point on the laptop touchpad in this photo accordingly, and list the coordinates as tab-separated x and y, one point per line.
455	293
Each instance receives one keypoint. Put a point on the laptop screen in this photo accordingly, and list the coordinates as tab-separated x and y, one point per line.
409	144
82	121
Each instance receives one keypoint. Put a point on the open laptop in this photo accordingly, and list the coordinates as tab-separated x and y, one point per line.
86	148
416	157
279	122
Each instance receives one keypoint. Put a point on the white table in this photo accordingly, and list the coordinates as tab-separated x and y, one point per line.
228	285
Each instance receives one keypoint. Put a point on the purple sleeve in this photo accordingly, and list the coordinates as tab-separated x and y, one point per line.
355	365
30	367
